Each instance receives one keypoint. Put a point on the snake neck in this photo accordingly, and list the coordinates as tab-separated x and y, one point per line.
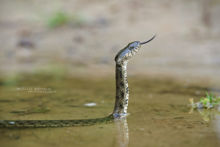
122	91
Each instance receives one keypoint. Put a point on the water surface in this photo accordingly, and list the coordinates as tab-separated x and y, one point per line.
158	112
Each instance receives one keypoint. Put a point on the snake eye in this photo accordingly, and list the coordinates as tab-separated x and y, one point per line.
134	45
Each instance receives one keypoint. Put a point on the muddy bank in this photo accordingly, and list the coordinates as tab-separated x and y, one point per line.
87	35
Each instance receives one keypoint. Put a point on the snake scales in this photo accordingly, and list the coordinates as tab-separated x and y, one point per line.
121	101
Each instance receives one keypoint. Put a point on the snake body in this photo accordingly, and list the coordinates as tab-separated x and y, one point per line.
121	101
53	123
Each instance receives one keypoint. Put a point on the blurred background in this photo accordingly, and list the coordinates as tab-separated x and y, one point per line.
83	36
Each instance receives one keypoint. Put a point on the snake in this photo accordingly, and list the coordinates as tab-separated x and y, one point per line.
121	100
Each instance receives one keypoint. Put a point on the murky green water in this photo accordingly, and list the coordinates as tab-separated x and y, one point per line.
159	115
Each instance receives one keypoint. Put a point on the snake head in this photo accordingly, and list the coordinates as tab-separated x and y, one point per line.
129	51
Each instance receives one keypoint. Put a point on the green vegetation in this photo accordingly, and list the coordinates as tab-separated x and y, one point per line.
58	19
208	102
62	18
210	99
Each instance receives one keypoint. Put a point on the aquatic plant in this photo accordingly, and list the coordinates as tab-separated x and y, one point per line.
208	102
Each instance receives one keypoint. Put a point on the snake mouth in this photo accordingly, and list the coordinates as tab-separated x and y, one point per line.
148	40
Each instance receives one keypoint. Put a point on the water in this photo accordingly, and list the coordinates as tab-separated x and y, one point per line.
158	112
